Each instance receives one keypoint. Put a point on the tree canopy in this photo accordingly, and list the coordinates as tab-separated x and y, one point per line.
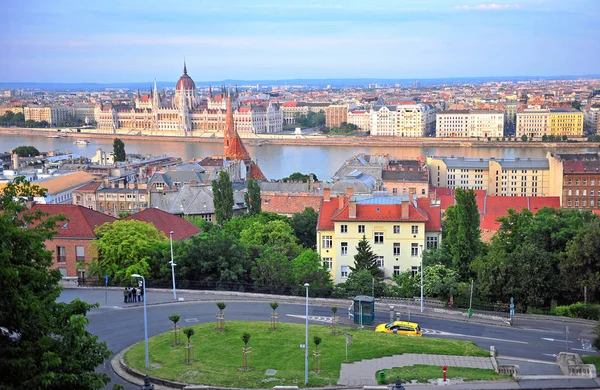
305	227
252	198
119	150
26	151
45	345
365	259
223	198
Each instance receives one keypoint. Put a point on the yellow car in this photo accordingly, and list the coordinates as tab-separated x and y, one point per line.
400	327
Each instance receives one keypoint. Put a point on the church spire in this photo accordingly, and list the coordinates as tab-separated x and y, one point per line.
210	92
184	67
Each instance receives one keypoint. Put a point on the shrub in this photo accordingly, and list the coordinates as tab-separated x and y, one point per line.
579	310
274	305
563	311
175	318
189	332
246	338
221	306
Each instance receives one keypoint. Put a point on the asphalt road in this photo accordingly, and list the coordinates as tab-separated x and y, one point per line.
120	325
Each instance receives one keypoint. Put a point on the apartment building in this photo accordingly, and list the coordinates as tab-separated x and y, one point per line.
335	115
533	123
566	121
402	120
470	123
503	177
291	110
576	179
360	118
397	227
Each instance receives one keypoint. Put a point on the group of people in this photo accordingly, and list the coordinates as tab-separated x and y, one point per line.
132	294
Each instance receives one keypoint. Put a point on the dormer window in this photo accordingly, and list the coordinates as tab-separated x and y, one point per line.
65	226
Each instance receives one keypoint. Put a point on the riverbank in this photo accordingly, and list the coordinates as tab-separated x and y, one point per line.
315	140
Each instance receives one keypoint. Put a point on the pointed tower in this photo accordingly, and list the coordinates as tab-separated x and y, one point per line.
210	92
155	97
233	147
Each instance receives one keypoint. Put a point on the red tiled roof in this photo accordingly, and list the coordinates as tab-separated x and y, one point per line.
82	221
255	172
499	205
166	222
488	221
383	212
90	187
442	191
537	202
290	203
290	104
327	210
446	201
434	222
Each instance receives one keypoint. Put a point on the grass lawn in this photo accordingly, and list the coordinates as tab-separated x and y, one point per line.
218	356
595	360
422	373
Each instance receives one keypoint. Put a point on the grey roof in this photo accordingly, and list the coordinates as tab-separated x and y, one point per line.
191	200
182	177
412	176
280	186
524	163
462	162
189	166
359	181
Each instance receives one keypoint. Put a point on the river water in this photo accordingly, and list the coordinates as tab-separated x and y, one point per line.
276	161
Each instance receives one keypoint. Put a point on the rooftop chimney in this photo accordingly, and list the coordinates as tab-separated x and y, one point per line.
405	209
350	191
326	194
352	209
341	200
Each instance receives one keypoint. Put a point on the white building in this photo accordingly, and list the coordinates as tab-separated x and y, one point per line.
360	118
469	123
403	120
590	121
533	123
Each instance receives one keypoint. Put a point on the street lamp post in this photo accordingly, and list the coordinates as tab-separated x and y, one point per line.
172	266
145	316
422	308
306	285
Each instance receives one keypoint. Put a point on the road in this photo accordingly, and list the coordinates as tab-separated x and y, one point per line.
120	325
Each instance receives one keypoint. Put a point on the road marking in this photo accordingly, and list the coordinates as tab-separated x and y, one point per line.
584	350
556	340
550	354
191	320
441	333
312	318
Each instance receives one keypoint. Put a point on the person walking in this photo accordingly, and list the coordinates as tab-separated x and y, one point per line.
125	293
134	294
129	295
141	295
139	292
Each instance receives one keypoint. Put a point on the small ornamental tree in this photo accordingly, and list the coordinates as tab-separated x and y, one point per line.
221	306
274	318
175	319
246	338
246	351
221	316
317	340
333	319
189	332
274	305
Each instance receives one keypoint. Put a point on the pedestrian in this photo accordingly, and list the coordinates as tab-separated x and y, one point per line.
139	291
142	295
129	295
134	294
125	293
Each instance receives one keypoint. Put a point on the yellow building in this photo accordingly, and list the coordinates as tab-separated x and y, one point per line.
566	121
397	228
502	177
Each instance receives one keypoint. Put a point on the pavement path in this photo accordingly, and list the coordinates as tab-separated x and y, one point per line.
363	372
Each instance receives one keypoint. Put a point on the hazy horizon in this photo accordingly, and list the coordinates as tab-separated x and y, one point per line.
120	42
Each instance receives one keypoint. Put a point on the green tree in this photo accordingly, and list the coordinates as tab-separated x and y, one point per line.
119	150
252	198
524	138
362	283
45	344
365	259
271	273
7	117
305	227
297	176
223	198
307	267
235	226
125	248
544	138
214	259
576	105
461	233
26	151
18	119
582	261
276	235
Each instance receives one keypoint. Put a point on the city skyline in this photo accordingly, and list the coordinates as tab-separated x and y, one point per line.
138	41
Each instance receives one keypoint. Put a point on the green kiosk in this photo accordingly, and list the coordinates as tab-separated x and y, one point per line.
364	310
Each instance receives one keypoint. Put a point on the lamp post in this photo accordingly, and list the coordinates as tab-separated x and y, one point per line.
145	316
422	308
306	285
172	265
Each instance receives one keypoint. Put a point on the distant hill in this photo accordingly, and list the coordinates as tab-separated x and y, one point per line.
336	83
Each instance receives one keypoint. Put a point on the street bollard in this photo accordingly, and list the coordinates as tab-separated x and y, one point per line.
398	316
391	313
444	368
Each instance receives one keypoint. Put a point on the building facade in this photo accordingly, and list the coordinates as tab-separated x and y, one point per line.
335	115
566	122
470	123
576	179
360	118
402	120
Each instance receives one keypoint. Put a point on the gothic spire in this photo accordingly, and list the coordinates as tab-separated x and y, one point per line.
184	67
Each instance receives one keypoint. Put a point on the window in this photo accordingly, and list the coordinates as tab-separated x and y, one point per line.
396	270
80	253
414	250
343	228
414	269
396	229
327	263
361	229
380	261
396	249
61	254
344	248
432	242
394	191
378	237
327	242
63	272
414	229
423	191
344	271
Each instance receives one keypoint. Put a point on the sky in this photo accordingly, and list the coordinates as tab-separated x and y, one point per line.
139	41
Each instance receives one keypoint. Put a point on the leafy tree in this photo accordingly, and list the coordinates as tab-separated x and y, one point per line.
235	226
7	117
18	119
408	285
188	332
274	305
365	259
544	138
317	340
305	227
125	248
246	338
582	261
271	273
576	105
175	319
252	198
45	344
119	150
26	151
362	283
214	259
297	176
221	306
223	198
307	267
124	214
461	233
564	138
276	235
524	138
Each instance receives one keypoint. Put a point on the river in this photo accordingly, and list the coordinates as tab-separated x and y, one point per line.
276	161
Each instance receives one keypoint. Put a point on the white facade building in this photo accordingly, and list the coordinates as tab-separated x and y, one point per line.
403	120
469	123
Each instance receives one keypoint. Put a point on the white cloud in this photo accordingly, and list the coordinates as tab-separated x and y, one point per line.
489	7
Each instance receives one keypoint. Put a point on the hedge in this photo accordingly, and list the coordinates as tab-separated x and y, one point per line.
579	310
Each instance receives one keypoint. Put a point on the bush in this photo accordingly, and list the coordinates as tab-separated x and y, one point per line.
579	310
